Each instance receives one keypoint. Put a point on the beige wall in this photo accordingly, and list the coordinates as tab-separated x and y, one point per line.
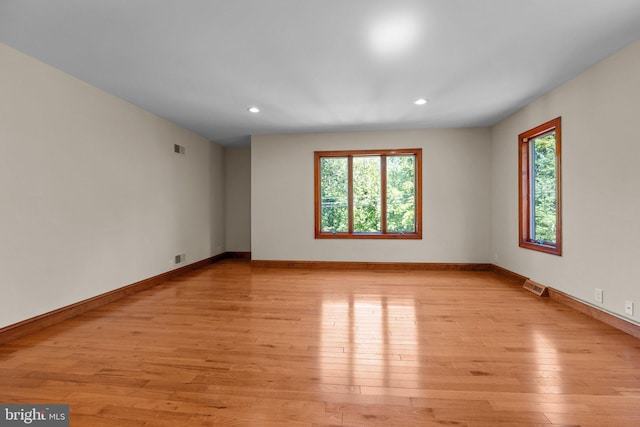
238	198
456	207
93	197
601	185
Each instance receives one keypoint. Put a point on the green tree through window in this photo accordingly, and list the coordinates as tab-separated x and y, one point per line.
543	158
401	188
367	202
335	194
372	194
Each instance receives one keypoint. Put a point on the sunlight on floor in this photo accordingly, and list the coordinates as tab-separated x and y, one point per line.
363	337
547	363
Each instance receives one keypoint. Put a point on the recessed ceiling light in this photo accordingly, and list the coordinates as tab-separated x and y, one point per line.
254	110
420	101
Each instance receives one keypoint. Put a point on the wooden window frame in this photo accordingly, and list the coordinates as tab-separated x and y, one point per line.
350	154
525	203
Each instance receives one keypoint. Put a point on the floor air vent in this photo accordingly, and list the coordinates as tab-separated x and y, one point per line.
536	288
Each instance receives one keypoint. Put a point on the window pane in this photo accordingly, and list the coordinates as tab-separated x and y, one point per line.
334	187
401	182
366	195
543	191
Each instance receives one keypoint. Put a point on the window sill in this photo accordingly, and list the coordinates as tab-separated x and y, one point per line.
540	247
388	236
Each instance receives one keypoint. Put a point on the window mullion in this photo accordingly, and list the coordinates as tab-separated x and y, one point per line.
350	192
383	193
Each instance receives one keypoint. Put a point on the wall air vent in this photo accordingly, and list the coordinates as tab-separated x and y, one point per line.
536	288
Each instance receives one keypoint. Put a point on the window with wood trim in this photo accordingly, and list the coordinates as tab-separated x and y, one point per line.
540	211
371	194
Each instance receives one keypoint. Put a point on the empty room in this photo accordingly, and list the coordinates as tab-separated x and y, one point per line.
319	213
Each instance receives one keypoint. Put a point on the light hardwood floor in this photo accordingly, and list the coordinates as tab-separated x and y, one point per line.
242	346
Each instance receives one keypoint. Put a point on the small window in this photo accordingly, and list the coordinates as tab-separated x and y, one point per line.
540	184
368	194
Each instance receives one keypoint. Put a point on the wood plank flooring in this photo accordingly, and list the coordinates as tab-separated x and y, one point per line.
241	346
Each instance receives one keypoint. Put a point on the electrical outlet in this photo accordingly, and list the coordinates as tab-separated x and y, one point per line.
628	307
598	295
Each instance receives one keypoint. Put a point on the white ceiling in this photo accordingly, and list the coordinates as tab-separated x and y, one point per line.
321	65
